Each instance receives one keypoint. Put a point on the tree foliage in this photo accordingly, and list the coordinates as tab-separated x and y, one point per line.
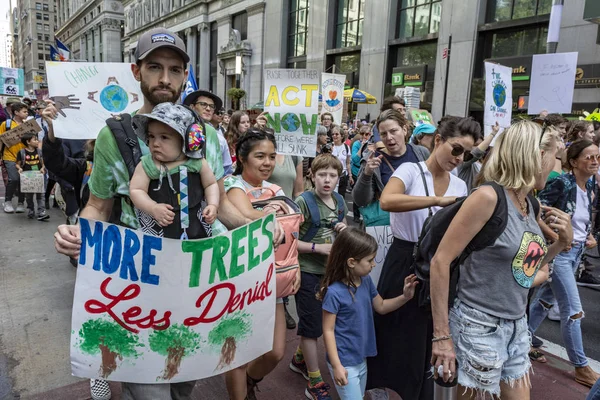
97	332
237	326
175	336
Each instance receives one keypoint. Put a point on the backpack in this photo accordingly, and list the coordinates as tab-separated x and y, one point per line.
434	229
286	255
315	215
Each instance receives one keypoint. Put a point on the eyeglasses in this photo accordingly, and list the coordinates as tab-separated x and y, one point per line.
589	157
206	105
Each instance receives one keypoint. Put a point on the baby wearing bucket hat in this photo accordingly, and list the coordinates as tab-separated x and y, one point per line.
171	200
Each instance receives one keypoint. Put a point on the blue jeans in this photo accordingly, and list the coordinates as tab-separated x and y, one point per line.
562	290
594	394
357	382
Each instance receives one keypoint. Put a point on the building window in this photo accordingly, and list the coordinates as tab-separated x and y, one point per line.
419	18
39	26
38	6
504	10
298	28
348	64
521	42
41	56
40	36
38	16
46	27
418	54
46	17
41	66
40	46
46	37
349	24
45	7
240	22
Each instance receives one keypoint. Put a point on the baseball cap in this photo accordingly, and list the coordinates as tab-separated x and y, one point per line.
181	119
157	38
424	128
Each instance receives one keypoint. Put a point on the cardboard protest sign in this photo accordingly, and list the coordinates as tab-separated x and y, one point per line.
13	136
153	310
332	87
552	83
32	182
12	81
498	95
384	237
87	94
292	103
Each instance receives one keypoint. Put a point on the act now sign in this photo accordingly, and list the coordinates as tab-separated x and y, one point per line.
292	104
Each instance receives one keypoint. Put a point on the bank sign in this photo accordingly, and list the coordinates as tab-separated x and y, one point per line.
409	76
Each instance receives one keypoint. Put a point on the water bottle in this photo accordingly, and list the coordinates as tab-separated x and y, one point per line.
445	390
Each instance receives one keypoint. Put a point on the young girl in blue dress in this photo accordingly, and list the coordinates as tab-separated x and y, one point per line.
349	297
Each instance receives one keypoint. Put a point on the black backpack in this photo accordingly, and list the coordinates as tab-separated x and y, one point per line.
434	229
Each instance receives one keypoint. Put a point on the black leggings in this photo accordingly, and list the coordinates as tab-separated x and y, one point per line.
343	185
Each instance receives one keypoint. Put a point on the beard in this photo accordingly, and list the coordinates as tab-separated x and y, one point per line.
155	99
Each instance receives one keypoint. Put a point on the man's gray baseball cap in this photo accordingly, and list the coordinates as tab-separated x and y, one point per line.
159	38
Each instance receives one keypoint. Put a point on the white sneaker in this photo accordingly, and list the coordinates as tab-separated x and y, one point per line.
554	313
99	389
20	208
8	207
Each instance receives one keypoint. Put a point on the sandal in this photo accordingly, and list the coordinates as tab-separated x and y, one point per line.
536	355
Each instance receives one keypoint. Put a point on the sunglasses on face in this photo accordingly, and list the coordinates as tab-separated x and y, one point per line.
206	105
457	150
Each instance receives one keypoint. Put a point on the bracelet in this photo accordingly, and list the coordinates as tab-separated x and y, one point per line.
313	247
440	338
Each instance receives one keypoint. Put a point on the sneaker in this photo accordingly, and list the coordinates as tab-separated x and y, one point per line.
99	389
554	313
586	279
30	214
20	208
536	342
8	207
43	217
318	392
299	367
289	320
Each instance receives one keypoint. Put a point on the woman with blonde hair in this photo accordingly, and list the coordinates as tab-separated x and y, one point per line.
486	331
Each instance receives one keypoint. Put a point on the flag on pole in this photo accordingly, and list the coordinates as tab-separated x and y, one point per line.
190	85
63	50
55	55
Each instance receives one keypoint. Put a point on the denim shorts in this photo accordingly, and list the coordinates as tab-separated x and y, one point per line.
489	349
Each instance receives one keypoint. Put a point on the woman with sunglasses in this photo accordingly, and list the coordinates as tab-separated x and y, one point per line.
485	331
238	125
256	151
413	192
571	193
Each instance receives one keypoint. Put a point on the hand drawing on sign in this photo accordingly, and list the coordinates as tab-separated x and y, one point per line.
91	96
63	102
111	340
175	342
557	96
227	335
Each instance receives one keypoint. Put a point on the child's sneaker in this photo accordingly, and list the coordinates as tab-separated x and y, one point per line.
20	208
43	217
30	214
299	367
318	392
8	207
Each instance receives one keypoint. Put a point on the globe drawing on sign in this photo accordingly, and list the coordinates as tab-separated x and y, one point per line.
499	95
114	98
291	122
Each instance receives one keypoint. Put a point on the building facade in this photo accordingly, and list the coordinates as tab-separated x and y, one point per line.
32	25
5	44
92	29
374	43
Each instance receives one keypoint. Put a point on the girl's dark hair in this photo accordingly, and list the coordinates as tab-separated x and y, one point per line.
459	127
246	143
575	150
233	134
576	128
350	243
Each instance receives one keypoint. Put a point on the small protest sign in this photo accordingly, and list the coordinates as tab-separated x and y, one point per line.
384	237
419	117
292	103
13	136
154	310
12	81
32	182
332	87
498	95
87	94
552	83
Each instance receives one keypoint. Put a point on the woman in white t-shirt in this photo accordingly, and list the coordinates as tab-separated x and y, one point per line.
343	153
404	336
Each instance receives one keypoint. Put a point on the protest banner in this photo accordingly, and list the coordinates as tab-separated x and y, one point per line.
384	237
292	103
32	182
419	117
498	96
13	136
87	94
152	310
332	88
552	83
12	81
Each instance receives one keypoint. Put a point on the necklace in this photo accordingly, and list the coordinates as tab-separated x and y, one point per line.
522	203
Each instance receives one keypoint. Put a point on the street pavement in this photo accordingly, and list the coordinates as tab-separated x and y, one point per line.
36	294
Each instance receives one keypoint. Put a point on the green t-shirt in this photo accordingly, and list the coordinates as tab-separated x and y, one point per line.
110	177
311	262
